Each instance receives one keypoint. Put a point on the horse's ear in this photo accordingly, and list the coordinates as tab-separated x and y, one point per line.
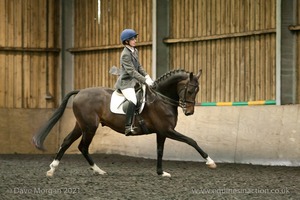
199	73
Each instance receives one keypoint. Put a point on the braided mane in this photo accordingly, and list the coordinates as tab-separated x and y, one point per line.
166	77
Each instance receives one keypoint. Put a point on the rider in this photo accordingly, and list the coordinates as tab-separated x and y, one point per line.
131	73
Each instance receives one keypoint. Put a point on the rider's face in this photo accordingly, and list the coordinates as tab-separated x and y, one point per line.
132	42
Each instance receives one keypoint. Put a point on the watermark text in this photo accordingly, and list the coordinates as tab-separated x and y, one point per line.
38	190
242	191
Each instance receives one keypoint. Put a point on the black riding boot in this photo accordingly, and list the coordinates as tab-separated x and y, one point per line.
129	129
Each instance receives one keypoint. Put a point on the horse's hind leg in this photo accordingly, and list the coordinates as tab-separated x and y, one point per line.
71	137
86	140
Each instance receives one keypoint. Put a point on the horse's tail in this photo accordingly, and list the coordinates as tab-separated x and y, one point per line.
40	136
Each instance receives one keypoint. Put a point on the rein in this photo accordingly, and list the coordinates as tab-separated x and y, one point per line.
168	100
164	98
182	101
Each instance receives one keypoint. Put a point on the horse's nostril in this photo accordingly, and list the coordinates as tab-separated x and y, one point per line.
189	113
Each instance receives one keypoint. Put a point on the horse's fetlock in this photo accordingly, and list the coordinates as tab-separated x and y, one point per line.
54	164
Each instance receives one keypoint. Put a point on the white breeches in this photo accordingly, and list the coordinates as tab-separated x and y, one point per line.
129	94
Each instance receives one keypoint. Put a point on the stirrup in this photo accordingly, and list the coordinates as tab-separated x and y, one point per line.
130	130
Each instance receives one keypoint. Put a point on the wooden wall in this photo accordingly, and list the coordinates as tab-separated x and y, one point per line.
97	44
233	41
298	51
28	53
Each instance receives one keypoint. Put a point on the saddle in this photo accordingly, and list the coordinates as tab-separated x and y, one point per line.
119	103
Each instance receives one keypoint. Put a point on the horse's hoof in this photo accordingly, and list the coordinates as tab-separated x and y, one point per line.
210	163
97	170
49	174
166	174
212	166
100	172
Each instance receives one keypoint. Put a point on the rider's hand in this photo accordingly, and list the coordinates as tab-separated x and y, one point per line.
149	81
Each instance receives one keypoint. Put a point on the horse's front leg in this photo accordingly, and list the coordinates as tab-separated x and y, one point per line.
182	138
160	140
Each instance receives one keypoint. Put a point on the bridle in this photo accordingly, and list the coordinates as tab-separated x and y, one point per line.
182	102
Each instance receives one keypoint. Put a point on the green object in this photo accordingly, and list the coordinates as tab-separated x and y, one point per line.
240	103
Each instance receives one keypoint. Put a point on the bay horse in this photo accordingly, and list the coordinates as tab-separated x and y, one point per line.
160	115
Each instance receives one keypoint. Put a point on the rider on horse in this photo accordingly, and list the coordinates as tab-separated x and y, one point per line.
131	73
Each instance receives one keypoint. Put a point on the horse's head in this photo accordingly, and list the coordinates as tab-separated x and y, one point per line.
187	90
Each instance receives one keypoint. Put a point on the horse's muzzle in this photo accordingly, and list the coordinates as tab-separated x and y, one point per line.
188	109
188	112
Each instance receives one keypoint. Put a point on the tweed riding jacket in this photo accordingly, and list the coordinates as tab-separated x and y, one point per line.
131	70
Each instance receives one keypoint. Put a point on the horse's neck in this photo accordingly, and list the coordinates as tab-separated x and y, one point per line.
169	90
168	86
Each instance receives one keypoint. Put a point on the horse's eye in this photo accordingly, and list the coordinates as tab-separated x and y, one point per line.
191	91
195	90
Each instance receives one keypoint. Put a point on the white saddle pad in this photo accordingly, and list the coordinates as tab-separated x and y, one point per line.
117	100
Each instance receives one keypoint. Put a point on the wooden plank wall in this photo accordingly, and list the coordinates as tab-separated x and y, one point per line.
298	51
97	45
233	41
28	53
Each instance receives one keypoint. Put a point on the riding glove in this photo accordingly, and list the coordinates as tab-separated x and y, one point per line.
149	81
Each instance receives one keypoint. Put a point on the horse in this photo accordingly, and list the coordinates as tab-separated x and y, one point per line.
176	88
